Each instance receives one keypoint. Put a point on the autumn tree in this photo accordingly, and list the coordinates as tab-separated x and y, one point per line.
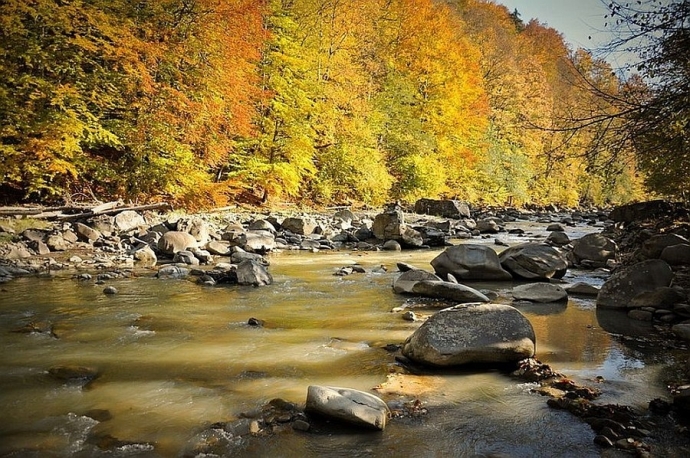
658	119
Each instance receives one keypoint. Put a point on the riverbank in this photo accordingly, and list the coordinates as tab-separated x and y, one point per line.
113	268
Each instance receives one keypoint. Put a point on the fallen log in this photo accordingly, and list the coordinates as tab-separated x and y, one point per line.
20	211
114	211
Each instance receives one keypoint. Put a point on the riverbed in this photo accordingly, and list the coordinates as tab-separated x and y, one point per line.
174	357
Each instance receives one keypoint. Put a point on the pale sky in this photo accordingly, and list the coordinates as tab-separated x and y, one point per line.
575	19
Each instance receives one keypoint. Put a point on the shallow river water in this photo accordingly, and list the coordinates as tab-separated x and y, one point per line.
174	357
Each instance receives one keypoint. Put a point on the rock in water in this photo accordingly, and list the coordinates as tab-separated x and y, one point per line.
533	261
470	262
472	334
540	292
594	248
351	406
251	272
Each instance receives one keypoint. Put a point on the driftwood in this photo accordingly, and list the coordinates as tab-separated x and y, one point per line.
19	211
74	213
114	211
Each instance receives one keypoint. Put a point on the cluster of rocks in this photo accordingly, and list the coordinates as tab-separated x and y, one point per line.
652	284
476	330
131	238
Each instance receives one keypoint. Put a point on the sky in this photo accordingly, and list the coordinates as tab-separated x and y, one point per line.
577	20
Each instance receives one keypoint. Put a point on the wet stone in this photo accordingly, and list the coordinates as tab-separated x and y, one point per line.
603	441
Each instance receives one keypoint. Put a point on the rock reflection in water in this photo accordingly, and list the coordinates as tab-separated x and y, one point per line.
174	357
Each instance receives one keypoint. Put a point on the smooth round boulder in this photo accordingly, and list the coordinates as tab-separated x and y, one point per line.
355	407
627	283
470	262
533	261
145	255
540	292
472	334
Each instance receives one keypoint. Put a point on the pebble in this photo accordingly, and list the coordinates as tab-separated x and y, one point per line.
110	290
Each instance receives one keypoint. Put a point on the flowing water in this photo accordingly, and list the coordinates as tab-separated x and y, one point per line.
174	357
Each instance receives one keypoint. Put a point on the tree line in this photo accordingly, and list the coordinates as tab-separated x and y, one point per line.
201	102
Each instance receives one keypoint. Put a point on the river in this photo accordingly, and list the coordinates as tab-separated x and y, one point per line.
174	357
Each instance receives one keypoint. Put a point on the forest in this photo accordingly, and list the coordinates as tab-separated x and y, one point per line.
206	102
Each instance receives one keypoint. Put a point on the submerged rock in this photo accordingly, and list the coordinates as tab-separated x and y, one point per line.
540	292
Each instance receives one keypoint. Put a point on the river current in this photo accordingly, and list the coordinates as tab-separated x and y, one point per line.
174	357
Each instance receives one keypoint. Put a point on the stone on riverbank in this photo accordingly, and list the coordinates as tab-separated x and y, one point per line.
472	334
627	283
351	406
173	241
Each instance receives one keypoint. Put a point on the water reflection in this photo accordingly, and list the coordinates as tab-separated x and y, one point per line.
174	357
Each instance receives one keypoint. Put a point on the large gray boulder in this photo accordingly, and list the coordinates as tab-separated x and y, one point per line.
389	225
173	241
594	248
540	292
351	406
251	272
446	208
470	262
534	261
627	283
472	334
